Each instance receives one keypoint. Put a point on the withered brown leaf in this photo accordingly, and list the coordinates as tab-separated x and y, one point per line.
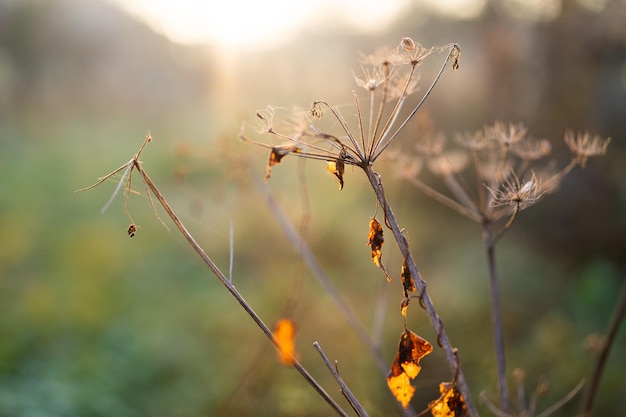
405	366
407	279
450	404
337	168
404	305
375	241
278	153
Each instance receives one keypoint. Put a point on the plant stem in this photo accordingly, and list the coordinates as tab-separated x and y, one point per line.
356	406
232	290
496	316
436	322
318	272
372	343
592	389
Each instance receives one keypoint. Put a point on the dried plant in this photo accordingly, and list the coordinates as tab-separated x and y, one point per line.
507	178
388	81
389	78
279	340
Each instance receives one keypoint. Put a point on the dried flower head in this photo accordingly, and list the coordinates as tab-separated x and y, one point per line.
407	44
378	122
583	146
448	163
405	165
316	110
501	154
431	145
373	77
517	193
475	141
381	56
532	150
412	53
506	135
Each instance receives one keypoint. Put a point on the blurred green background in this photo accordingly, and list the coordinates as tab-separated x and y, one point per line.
93	323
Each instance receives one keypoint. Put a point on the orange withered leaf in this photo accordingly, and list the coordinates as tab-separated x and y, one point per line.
278	153
407	279
285	334
405	366
375	241
401	388
337	168
450	404
404	305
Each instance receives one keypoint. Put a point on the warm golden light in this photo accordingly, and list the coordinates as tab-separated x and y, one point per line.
245	23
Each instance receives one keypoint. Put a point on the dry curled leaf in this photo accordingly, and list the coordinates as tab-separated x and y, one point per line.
401	388
375	241
405	366
408	284
277	154
450	404
407	279
337	168
285	334
404	305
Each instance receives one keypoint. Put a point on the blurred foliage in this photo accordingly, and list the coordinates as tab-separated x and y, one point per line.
93	323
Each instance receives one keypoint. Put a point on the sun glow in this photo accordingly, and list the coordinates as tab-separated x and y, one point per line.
246	23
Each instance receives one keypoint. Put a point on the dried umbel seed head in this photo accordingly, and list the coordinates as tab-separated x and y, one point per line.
584	146
448	163
517	193
506	135
132	229
474	141
407	44
530	150
316	110
431	145
405	165
372	78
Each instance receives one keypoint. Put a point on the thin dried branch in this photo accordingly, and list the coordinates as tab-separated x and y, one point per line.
318	272
618	316
136	164
489	241
557	405
436	321
356	406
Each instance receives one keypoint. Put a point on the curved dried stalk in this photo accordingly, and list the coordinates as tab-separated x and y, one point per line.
310	260
354	403
305	253
614	325
496	314
435	321
134	163
531	411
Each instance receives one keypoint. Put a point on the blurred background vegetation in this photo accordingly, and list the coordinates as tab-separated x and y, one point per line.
93	323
